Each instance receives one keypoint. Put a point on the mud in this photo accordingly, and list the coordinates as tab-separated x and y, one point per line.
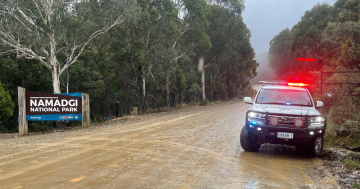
191	148
334	161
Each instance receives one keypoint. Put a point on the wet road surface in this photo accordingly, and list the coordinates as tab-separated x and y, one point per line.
191	148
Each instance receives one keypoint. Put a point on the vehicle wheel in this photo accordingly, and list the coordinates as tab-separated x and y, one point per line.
248	141
315	147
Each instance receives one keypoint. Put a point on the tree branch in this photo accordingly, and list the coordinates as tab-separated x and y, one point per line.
71	60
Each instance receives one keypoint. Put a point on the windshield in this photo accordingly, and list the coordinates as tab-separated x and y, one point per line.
284	97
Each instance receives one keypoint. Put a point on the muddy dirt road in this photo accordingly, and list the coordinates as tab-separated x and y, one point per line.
191	148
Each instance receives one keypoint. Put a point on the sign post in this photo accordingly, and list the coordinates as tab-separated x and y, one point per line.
23	123
85	110
35	106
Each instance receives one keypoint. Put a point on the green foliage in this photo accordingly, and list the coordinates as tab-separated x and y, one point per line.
194	93
180	84
156	48
356	185
352	164
350	11
230	60
198	14
278	58
205	102
303	40
219	88
6	105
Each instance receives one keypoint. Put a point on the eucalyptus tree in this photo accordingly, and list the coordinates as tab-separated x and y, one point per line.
350	11
147	42
307	35
56	33
231	57
279	55
303	40
235	7
342	42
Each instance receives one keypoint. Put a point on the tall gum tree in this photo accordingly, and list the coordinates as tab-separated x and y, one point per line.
56	33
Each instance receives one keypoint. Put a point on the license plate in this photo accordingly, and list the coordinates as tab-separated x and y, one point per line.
285	135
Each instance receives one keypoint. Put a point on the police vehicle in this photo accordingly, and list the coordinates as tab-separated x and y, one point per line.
284	113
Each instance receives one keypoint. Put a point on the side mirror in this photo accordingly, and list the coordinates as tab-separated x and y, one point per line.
319	104
247	100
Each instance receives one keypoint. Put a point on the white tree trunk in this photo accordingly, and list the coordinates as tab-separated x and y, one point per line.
26	20
55	78
144	86
55	66
203	83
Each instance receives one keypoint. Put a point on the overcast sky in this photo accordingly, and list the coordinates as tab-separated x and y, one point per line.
267	18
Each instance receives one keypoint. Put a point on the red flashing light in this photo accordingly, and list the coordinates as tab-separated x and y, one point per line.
307	59
297	84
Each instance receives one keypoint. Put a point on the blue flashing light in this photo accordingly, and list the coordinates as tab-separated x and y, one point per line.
263	98
288	103
253	122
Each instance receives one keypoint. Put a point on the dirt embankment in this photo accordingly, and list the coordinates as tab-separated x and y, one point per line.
344	165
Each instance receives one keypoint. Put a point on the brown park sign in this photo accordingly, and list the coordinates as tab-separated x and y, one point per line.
47	106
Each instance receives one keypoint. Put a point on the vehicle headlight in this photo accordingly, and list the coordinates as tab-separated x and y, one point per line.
317	120
252	115
257	115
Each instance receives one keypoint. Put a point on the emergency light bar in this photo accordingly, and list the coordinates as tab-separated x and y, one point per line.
297	84
283	83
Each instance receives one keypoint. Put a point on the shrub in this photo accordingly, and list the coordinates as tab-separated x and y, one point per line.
205	102
6	105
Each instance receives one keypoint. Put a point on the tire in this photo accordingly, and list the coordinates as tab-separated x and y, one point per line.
314	148
248	141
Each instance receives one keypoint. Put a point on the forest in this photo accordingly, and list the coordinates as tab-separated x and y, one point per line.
330	34
123	53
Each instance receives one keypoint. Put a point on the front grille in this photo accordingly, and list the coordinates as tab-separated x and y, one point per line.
287	120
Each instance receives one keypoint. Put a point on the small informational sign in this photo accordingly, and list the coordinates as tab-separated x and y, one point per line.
53	107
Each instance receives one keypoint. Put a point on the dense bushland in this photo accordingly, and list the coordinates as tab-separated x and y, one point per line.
124	53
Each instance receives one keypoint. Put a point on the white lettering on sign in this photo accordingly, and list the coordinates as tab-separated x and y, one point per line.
46	109
64	102
69	109
57	103
72	102
51	102
33	102
48	102
41	103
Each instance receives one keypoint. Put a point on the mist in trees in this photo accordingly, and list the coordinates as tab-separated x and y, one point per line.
125	53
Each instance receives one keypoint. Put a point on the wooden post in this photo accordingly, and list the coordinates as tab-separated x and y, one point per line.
85	110
23	124
134	112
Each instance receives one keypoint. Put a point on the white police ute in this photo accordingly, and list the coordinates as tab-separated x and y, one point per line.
284	113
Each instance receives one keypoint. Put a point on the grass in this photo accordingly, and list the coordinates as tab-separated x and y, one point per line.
332	139
351	164
356	185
